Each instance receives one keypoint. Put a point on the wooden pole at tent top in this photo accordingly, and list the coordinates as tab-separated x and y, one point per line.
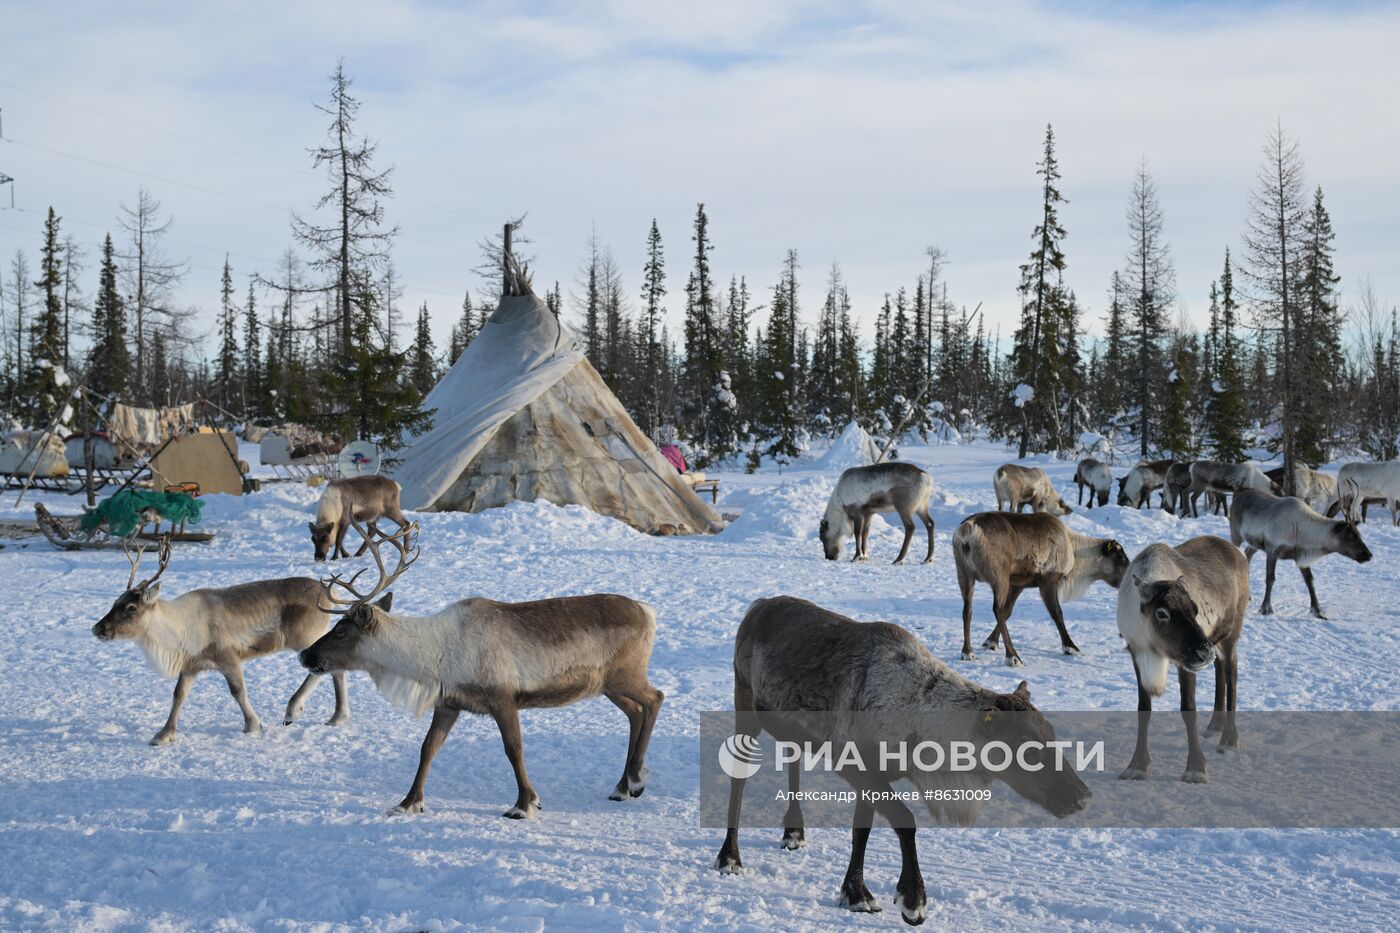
505	259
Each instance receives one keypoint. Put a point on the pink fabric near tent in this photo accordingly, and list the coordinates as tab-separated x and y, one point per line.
673	453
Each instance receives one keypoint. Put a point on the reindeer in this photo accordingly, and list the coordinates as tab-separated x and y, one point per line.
367	498
1177	496
792	655
1218	479
493	658
1017	486
1362	483
219	629
1314	487
1185	605
1010	552
1136	488
882	487
1290	529
1095	476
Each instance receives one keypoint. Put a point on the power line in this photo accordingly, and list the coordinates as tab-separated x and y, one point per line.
252	158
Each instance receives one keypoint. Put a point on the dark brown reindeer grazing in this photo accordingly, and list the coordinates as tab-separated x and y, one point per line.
1290	529
363	498
791	655
1217	480
491	658
217	630
1094	476
1135	490
1019	486
1010	552
1185	606
865	490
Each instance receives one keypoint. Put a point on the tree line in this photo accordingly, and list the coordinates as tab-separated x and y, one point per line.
755	370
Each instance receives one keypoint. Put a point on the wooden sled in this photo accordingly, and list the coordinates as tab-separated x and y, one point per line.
65	533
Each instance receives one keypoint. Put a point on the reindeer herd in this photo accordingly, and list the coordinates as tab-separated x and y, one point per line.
1181	607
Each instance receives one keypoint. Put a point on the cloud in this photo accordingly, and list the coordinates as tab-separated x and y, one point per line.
854	132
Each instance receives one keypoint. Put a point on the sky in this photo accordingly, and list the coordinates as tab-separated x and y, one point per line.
854	132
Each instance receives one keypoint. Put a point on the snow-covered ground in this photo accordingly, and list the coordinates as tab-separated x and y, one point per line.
287	830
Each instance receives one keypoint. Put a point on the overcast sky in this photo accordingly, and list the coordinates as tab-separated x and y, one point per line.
856	132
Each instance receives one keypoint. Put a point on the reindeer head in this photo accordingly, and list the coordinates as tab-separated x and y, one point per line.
322	538
835	526
1112	563
1346	538
361	615
129	614
1175	629
1061	507
1013	719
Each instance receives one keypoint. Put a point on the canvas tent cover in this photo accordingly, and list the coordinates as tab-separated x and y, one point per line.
522	415
208	459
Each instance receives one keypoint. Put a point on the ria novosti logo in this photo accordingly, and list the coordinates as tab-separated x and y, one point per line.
740	756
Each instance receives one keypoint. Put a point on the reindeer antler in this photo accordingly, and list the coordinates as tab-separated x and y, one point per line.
404	541
163	555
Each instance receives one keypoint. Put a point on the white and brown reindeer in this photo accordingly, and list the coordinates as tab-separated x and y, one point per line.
345	501
1095	476
495	659
1018	486
1290	529
1136	488
218	630
793	656
1184	606
1316	488
863	491
1010	552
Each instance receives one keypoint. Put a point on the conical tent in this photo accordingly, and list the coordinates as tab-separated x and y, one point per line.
523	415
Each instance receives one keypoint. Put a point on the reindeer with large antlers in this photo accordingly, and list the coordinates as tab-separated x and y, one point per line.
217	630
495	659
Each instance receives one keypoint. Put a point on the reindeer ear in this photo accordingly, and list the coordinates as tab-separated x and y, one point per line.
1023	690
150	593
386	601
312	526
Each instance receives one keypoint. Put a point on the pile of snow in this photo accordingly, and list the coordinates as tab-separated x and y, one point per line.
853	448
792	510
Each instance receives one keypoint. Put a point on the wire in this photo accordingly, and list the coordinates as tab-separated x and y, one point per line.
261	161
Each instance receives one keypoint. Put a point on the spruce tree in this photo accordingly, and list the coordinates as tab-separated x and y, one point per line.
109	360
1035	354
226	361
254	386
653	313
1226	415
1319	354
45	389
371	397
422	355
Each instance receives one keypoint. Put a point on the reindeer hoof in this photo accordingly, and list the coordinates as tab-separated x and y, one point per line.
252	728
794	839
729	864
968	656
859	900
897	561
927	560
1194	775
1015	661
1133	774
527	812
163	737
913	913
1071	649
989	645
407	808
1319	614
338	720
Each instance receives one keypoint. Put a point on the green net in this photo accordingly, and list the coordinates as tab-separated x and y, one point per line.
122	512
